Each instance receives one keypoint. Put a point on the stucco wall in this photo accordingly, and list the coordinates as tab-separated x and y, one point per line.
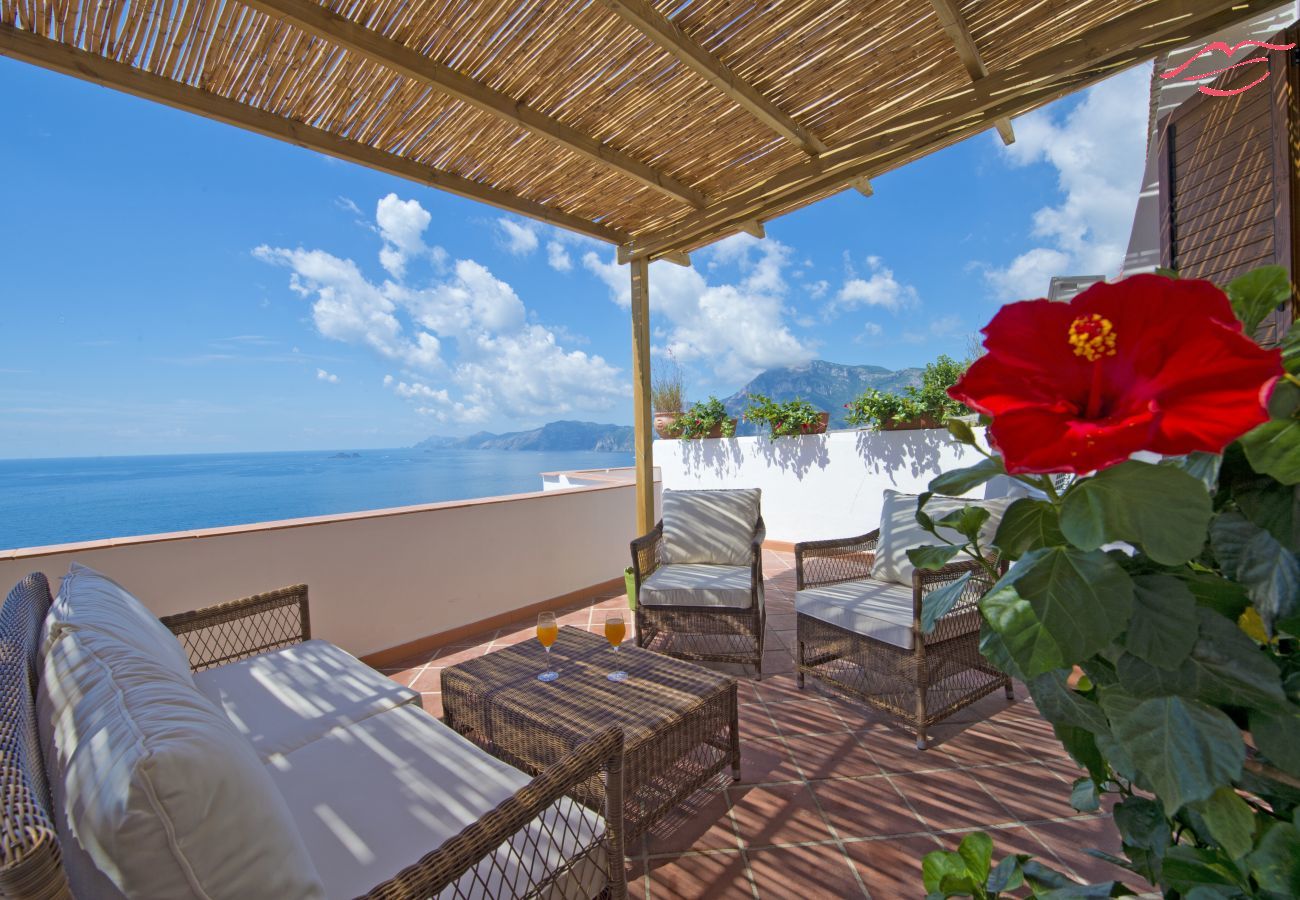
819	486
376	579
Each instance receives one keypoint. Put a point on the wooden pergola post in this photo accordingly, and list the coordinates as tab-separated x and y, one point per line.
642	414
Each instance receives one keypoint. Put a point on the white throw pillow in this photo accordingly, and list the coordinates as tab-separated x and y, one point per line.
89	600
900	532
714	527
158	788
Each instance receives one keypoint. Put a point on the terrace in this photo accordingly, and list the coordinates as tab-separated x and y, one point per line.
716	121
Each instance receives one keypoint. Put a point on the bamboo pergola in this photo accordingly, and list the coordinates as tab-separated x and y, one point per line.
657	126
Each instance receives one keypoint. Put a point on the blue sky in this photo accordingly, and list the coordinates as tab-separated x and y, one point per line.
175	285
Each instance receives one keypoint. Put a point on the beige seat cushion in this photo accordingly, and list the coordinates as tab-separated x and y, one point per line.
715	527
698	584
89	600
159	790
876	609
290	697
374	797
900	532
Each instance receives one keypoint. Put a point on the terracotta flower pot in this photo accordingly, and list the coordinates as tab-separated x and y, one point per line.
664	422
823	420
922	421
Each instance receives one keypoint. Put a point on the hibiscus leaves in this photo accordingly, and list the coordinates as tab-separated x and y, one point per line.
1274	447
1160	508
1257	293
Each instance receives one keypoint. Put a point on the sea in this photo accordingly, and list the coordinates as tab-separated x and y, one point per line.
57	501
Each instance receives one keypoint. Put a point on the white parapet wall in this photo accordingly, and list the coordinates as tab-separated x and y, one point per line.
819	486
377	579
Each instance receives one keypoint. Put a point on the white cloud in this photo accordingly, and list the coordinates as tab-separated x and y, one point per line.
557	257
882	290
739	328
322	375
519	238
936	329
1098	149
869	330
465	332
345	203
401	225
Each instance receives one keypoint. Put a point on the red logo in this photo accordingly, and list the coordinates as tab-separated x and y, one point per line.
1220	45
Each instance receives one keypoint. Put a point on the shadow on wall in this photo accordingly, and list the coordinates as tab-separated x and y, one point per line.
916	451
723	456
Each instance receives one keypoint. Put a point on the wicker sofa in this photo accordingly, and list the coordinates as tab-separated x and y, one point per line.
859	624
247	760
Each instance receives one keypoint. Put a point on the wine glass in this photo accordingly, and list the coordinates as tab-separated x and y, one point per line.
547	631
615	631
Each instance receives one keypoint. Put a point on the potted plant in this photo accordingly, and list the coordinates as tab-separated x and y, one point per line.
666	385
785	419
924	406
705	419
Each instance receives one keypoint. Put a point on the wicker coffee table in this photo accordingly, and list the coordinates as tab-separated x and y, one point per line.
678	719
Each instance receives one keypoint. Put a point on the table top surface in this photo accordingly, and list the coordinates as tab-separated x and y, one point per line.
658	689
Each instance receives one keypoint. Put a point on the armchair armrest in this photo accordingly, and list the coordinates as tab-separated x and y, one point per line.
233	631
963	616
645	553
479	842
834	560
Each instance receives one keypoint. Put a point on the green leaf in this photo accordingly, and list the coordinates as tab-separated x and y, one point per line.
1254	557
1142	823
938	863
1187	868
1163	628
1028	524
1160	508
1084	795
1276	861
1057	606
1225	668
1204	466
937	603
976	849
1227	598
1007	875
961	431
931	558
1083	749
995	650
1257	293
1291	349
966	521
959	481
1185	749
1277	735
1231	821
1274	449
1061	705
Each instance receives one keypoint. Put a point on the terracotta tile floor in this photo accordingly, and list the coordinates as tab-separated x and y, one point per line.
834	799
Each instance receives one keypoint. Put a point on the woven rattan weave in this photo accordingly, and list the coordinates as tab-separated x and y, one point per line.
678	720
30	858
944	671
701	633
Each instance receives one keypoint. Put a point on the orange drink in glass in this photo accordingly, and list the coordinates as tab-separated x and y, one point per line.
615	631
547	632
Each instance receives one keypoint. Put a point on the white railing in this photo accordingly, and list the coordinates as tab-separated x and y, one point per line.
818	486
382	578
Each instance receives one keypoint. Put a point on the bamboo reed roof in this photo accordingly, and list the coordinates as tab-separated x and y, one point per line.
660	126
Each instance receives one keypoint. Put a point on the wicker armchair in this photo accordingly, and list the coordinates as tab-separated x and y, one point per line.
920	678
31	862
703	633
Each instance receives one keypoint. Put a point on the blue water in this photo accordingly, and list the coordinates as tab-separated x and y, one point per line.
56	501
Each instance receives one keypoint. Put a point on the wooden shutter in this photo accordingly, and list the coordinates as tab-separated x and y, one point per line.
1228	179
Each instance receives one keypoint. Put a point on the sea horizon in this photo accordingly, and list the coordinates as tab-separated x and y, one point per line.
60	500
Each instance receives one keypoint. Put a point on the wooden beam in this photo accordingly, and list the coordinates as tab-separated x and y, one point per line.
754	228
686	50
48	54
862	186
329	26
642	414
677	258
1051	73
954	25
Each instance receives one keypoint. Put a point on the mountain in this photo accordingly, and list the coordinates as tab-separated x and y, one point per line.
562	435
826	385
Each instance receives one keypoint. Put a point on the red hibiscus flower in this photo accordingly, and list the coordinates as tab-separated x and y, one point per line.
1147	363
